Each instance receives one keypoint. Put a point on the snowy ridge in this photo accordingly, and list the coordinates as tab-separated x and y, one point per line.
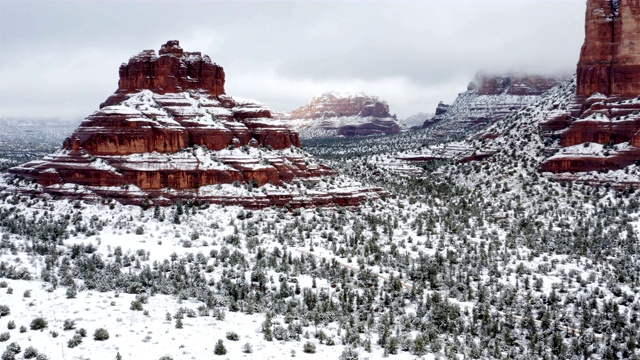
471	112
330	126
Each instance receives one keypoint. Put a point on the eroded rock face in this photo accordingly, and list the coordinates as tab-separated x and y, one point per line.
606	108
604	137
170	133
519	85
165	123
488	99
171	71
343	114
610	57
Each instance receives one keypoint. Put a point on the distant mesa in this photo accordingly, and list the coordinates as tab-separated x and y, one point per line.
343	114
170	133
606	107
488	99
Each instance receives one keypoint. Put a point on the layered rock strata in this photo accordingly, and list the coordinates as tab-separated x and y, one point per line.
343	114
610	57
601	131
488	99
171	133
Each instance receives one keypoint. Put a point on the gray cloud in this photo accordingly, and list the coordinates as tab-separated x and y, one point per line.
60	59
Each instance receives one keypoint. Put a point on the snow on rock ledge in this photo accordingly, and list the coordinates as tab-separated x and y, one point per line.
170	133
606	104
343	114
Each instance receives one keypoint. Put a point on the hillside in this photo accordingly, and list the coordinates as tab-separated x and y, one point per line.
488	98
229	240
489	252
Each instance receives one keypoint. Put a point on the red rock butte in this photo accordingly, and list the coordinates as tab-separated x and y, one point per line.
171	133
346	114
610	57
606	108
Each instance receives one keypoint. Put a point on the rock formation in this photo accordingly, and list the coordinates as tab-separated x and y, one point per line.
606	108
610	57
488	98
171	133
442	108
343	114
415	121
518	85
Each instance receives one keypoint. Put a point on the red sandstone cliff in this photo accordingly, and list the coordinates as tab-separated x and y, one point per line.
606	108
610	57
170	133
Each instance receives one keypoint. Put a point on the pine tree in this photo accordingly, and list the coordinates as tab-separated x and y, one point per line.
220	349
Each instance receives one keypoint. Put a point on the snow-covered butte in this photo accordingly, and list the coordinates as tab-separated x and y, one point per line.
343	114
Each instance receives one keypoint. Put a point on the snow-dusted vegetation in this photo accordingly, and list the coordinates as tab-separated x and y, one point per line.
479	260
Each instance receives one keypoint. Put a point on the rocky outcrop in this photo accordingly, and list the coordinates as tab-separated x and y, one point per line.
576	162
442	108
343	114
610	57
604	137
170	133
518	85
606	108
488	99
171	71
601	131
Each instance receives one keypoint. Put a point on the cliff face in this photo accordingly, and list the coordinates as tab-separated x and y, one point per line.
610	57
165	123
517	85
606	108
170	133
172	71
488	98
343	114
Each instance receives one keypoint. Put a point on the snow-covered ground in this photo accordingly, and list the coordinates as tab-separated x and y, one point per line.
478	260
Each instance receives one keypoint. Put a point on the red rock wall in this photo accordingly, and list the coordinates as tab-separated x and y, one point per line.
575	163
172	71
606	133
610	57
519	85
635	141
609	64
115	134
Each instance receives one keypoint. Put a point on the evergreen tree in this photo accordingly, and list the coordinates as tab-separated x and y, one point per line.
220	349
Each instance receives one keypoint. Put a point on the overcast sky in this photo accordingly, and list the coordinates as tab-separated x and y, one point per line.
59	59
